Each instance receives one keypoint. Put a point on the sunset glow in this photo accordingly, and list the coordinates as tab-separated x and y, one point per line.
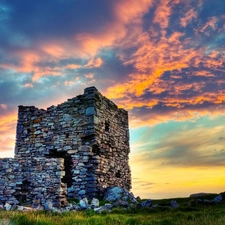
162	60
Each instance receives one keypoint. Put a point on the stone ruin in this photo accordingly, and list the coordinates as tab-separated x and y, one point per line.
76	149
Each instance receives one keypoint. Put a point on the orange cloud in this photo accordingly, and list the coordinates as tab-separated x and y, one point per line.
163	12
152	60
86	45
189	16
214	54
203	73
54	50
89	75
8	122
131	11
29	60
94	63
154	57
45	72
72	66
8	129
127	11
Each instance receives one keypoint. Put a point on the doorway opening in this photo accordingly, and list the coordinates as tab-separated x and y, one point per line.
67	179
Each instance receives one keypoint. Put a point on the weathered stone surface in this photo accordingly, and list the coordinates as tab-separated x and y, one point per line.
84	203
76	207
113	194
90	110
174	204
7	206
94	203
217	199
117	193
121	203
147	203
107	208
48	205
29	182
82	192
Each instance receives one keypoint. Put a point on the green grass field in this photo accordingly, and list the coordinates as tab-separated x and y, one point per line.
184	215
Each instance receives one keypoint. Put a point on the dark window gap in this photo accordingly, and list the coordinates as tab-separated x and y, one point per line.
67	165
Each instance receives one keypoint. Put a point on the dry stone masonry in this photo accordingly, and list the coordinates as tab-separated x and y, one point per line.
76	149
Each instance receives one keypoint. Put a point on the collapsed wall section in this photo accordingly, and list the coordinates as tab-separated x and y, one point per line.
32	181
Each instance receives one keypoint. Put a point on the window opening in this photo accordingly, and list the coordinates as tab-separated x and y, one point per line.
118	174
95	149
107	126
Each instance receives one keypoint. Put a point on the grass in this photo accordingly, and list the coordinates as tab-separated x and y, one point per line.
184	215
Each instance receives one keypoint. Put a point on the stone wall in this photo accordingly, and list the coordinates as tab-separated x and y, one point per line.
112	142
32	181
89	132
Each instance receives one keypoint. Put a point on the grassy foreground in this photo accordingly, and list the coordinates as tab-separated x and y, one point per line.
184	215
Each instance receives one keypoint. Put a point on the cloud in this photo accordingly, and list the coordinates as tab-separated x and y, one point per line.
170	70
160	114
83	38
89	75
163	12
3	106
187	146
142	184
189	16
93	63
7	133
211	23
28	85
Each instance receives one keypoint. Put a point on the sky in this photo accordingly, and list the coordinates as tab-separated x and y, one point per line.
162	60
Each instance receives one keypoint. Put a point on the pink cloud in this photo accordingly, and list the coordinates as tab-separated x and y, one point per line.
3	106
189	16
210	23
94	63
131	11
28	85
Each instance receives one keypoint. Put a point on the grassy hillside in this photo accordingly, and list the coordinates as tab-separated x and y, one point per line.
188	213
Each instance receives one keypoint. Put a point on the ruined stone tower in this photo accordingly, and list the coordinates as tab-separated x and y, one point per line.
77	149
